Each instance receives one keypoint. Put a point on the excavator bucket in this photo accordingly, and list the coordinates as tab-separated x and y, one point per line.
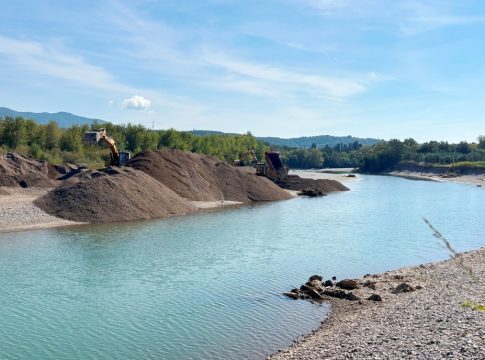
91	137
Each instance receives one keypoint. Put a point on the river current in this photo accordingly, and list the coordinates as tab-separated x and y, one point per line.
209	285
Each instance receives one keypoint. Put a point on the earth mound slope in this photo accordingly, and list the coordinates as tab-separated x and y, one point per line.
113	196
204	178
19	170
324	186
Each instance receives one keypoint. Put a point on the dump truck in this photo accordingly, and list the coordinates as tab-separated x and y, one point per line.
118	158
273	168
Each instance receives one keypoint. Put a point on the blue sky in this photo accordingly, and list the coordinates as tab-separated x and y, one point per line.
382	68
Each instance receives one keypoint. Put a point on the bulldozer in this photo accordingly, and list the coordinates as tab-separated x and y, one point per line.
273	168
118	158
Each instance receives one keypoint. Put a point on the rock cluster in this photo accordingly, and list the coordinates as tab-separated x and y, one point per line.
423	312
316	289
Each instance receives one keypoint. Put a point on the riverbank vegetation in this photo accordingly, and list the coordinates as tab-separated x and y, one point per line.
387	154
58	145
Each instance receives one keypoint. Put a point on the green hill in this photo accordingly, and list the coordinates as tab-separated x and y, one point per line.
63	119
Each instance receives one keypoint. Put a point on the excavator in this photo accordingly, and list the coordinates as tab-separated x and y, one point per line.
247	159
118	158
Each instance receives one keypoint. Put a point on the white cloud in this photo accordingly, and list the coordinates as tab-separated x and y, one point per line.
137	102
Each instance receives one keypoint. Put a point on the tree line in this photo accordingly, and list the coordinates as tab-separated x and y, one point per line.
58	145
386	154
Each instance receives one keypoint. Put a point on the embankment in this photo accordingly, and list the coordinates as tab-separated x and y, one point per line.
433	317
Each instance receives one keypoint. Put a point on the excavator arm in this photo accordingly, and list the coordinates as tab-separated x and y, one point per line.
115	157
118	158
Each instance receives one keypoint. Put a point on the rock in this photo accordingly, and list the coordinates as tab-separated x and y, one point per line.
315	277
403	288
348	284
291	295
310	292
340	294
375	297
352	297
295	290
370	284
328	283
334	278
314	283
311	193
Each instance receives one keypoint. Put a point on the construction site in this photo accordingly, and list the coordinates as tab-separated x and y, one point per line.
151	184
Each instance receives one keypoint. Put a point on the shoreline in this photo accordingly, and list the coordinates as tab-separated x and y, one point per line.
477	180
19	213
427	323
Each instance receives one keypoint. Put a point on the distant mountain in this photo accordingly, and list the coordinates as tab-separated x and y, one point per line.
301	142
320	141
205	132
63	119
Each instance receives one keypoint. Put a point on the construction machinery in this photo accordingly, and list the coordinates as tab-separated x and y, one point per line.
273	168
118	158
247	159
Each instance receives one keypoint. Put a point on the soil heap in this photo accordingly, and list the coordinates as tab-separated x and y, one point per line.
204	178
19	170
322	186
116	195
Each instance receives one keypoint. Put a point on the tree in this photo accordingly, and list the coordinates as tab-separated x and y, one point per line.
481	142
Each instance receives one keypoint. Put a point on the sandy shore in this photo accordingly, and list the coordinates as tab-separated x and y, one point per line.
428	323
18	212
339	175
478	180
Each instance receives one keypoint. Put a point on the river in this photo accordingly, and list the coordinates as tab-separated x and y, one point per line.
209	285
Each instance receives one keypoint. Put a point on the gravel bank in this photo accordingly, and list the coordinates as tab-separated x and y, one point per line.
429	323
477	179
18	212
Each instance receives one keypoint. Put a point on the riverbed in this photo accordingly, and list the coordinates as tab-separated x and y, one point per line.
209	285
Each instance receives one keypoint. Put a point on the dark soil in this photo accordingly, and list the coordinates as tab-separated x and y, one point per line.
323	186
205	178
113	196
18	170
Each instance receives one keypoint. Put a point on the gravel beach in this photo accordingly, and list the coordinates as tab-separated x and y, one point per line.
430	322
18	212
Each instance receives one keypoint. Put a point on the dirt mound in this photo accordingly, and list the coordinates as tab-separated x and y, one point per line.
113	196
204	178
18	170
324	186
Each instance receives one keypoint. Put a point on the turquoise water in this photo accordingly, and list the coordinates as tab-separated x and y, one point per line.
209	285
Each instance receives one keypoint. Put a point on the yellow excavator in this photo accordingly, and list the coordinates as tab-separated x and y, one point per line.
247	159
118	158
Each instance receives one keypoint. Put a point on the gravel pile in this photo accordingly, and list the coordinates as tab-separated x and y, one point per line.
321	186
424	319
120	194
200	177
18	170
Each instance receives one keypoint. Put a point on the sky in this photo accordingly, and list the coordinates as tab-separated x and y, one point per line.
288	68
